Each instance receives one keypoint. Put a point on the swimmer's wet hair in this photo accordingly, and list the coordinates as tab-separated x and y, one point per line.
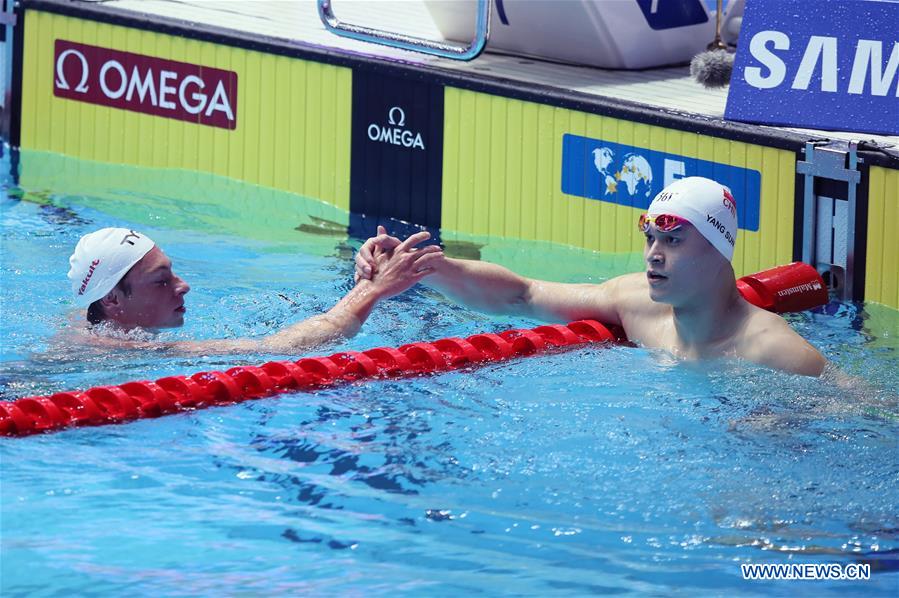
95	312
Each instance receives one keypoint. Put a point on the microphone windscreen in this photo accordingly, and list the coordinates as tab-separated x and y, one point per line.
713	68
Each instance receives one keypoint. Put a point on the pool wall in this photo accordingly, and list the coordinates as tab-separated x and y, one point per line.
882	276
467	153
293	116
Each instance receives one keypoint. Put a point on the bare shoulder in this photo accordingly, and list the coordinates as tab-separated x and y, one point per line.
630	286
639	315
632	295
769	340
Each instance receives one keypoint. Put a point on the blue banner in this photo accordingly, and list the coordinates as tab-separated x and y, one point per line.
632	176
823	64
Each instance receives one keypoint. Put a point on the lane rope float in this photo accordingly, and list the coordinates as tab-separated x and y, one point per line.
793	287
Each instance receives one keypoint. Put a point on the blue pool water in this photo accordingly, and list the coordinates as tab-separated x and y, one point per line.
598	470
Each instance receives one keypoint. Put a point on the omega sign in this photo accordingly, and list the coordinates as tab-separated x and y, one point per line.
138	83
393	132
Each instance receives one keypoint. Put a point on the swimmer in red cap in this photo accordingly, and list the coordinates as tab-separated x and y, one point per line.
127	284
686	302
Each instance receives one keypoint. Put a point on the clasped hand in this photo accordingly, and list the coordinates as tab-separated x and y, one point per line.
394	266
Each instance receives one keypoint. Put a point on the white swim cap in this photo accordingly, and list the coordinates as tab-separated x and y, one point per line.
102	259
704	203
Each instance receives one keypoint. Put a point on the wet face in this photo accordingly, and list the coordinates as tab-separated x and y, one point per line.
157	295
681	265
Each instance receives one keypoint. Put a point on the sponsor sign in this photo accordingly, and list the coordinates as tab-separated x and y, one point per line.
393	132
145	84
632	176
397	148
828	64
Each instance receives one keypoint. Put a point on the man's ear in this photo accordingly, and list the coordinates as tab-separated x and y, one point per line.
111	301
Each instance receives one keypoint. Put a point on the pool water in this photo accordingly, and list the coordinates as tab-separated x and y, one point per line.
596	470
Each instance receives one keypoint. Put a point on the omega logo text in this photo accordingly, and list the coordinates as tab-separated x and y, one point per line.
395	134
146	84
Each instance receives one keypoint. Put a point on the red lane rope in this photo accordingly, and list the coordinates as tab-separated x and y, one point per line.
144	399
793	287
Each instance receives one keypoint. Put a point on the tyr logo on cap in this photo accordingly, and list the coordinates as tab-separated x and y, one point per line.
126	238
101	259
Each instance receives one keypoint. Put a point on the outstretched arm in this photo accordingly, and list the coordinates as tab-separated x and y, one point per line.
397	272
495	289
341	321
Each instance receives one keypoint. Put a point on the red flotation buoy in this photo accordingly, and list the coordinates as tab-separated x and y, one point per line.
794	287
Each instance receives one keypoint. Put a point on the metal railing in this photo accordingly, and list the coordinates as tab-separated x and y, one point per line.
828	233
408	42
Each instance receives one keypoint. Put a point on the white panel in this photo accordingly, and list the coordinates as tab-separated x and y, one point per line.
824	231
840	233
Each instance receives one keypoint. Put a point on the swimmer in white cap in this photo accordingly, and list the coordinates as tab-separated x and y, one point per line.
686	301
120	276
126	282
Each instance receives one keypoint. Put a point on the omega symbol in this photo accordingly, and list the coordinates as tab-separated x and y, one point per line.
61	81
390	119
